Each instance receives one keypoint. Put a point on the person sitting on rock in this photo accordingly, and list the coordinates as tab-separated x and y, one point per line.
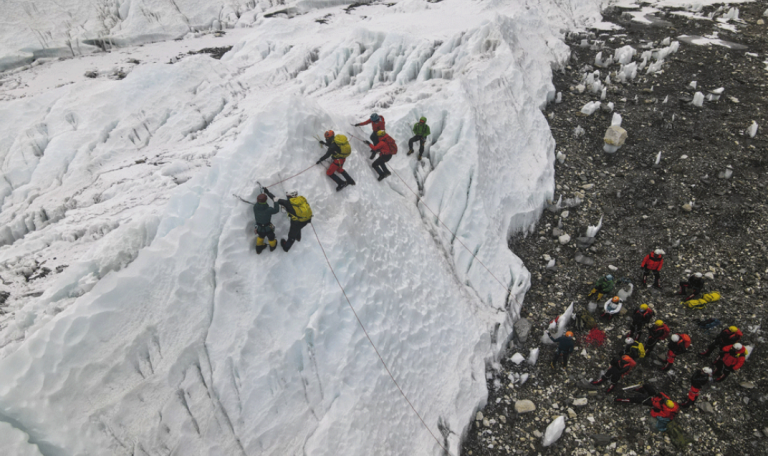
700	378
658	332
620	367
692	287
652	264
664	410
727	336
612	307
604	285
564	349
678	344
641	318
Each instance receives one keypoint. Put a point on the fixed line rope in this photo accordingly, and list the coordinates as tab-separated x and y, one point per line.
328	261
291	177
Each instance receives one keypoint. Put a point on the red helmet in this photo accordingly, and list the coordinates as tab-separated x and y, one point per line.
262	198
329	134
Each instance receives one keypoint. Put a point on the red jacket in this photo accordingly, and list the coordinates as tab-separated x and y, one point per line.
734	359
385	145
681	346
376	125
659	332
660	408
653	262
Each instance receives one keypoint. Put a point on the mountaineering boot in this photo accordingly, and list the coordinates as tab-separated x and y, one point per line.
373	154
340	183
419	157
286	245
686	403
410	151
610	388
705	352
621	399
260	248
656	284
598	381
382	176
666	367
272	245
349	179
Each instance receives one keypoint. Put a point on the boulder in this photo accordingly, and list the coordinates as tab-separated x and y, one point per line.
615	136
522	329
580	402
524	406
601	439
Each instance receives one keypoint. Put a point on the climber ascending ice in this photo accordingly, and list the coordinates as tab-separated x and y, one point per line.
338	149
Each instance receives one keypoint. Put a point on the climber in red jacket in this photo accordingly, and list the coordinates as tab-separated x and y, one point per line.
386	148
731	359
664	410
377	124
652	263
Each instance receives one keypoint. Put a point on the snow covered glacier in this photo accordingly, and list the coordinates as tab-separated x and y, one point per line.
140	319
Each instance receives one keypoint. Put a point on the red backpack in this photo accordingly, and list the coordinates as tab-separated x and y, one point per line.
391	143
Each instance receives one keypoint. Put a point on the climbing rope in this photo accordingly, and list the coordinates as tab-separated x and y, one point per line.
291	177
374	345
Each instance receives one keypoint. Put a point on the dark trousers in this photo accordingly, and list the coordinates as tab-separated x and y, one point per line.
656	276
643	395
636	329
688	291
266	231
421	140
721	370
649	344
557	358
380	164
375	138
294	233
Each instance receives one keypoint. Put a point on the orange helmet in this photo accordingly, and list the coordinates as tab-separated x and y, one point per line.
615	299
569	334
329	134
626	358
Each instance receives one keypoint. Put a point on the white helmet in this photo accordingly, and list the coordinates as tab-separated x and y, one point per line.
698	274
707	370
658	252
737	346
675	338
629	341
292	194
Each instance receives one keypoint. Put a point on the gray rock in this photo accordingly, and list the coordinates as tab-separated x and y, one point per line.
584	242
571	413
557	232
522	329
537	433
564	239
580	402
479	416
687	207
585	260
705	406
601	439
747	385
524	406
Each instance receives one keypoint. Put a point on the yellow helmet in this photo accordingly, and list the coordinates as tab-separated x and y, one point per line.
616	299
733	329
381	133
659	323
644	307
670	404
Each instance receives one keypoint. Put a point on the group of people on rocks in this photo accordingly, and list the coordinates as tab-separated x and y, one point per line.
731	354
338	150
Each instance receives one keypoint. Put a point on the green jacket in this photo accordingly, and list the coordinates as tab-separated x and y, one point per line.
421	129
604	285
263	213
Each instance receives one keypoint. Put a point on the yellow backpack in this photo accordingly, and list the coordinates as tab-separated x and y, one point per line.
302	209
640	349
344	146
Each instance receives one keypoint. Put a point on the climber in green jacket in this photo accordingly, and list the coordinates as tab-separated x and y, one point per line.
420	131
264	227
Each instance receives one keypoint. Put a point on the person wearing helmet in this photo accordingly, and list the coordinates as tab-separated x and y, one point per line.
338	149
731	359
299	213
377	124
659	331
700	378
692	287
612	307
641	318
386	149
678	344
652	264
619	368
664	410
565	345
633	348
420	133
604	285
727	336
264	228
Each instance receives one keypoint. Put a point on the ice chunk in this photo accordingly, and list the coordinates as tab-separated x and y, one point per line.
666	99
616	120
665	41
602	93
692	85
533	356
523	379
558	326
551	264
752	130
559	98
593	230
731	15
624	54
628	72
599	59
658	159
654	67
698	99
554	431
590	108
517	358
625	292
750	350
578	131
